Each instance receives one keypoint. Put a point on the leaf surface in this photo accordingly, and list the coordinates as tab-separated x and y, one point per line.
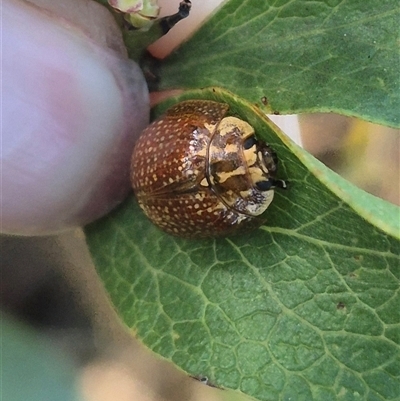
305	307
298	56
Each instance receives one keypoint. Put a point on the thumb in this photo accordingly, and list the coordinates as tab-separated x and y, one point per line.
72	108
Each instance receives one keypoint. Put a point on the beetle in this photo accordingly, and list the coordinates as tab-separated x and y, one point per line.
199	172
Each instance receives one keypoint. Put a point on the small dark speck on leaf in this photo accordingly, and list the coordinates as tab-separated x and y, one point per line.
204	380
340	305
264	100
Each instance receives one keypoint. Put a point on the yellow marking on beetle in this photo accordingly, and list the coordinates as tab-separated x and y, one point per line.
223	176
262	164
210	127
257	174
204	182
231	148
246	194
250	155
214	152
227	125
218	206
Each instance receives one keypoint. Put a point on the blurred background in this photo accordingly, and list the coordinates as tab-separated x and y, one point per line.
50	283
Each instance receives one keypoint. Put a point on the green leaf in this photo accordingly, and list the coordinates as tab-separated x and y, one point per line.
302	56
306	307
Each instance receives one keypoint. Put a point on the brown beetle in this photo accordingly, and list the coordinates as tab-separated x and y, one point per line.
198	172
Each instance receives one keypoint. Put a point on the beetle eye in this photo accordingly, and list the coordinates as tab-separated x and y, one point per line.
249	142
264	185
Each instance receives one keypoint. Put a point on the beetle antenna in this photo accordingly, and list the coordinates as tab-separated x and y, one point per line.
279	184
